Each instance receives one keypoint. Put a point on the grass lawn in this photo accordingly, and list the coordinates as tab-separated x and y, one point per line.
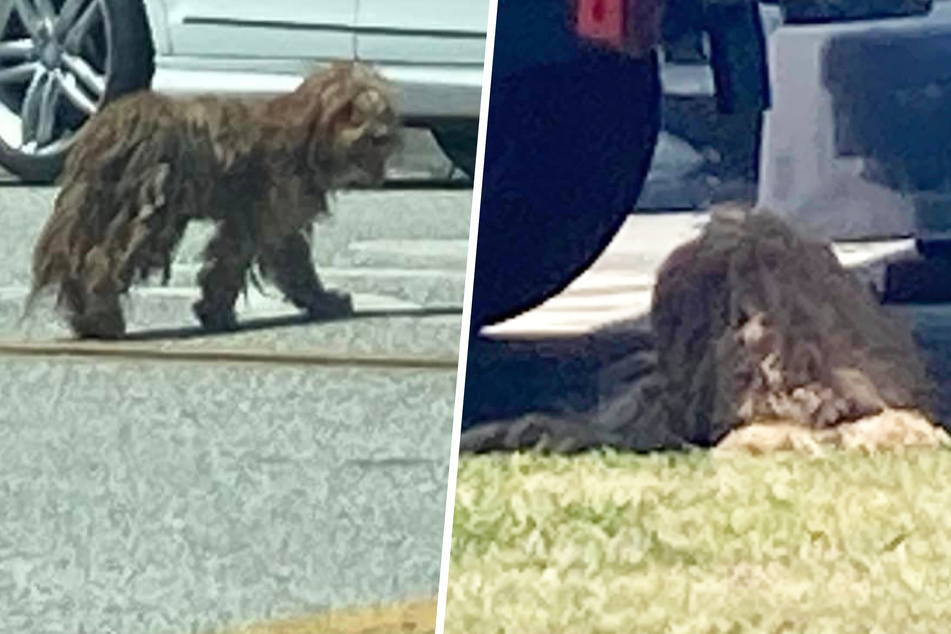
699	543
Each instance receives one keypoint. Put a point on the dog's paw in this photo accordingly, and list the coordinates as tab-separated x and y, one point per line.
331	304
100	325
215	319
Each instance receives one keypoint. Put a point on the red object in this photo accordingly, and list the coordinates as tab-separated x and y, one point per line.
602	21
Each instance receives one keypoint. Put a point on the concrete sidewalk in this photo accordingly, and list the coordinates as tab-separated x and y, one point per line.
618	286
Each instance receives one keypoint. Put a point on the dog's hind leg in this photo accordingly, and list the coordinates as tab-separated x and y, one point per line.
289	265
133	243
228	256
93	306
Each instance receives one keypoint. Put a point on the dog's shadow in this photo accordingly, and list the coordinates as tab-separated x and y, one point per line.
285	321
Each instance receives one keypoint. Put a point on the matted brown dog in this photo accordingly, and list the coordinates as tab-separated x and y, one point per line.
147	165
766	341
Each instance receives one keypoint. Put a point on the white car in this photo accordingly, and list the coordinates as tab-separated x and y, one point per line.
61	60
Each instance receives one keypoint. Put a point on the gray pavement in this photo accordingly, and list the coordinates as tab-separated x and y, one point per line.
163	497
149	498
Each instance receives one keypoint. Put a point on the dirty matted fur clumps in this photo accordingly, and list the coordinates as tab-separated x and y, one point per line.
765	341
261	170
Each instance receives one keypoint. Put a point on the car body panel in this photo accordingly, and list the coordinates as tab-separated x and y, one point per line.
157	16
427	94
432	50
422	31
251	28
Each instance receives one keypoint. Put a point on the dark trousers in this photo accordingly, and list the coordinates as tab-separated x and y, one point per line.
568	148
738	57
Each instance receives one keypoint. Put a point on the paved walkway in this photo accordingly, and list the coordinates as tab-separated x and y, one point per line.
619	284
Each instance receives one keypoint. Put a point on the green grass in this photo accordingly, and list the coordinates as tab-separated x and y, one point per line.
701	544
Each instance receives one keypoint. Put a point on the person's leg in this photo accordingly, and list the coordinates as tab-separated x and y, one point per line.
738	56
741	78
683	31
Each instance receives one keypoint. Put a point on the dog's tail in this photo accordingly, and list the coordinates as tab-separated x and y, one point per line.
55	253
113	186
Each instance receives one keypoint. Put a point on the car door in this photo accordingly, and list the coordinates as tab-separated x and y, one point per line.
276	29
422	31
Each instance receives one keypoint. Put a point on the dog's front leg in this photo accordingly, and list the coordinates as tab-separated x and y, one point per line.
289	265
223	276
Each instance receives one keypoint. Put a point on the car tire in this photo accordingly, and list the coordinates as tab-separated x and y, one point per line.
118	47
459	142
562	172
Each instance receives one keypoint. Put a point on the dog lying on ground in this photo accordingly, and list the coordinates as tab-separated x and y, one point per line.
762	341
147	165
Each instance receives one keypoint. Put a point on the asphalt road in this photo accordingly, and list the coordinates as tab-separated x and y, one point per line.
146	497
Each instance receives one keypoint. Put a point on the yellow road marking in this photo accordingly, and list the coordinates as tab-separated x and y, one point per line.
412	617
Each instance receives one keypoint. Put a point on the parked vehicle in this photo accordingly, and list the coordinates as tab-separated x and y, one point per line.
858	143
62	60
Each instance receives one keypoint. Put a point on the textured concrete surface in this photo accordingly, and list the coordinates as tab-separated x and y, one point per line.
164	497
145	498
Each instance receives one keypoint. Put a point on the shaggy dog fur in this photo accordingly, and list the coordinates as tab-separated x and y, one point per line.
762	341
147	165
756	325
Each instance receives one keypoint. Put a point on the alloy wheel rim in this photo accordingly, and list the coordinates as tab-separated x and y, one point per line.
53	63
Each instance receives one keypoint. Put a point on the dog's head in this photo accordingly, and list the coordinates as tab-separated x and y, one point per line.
346	120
